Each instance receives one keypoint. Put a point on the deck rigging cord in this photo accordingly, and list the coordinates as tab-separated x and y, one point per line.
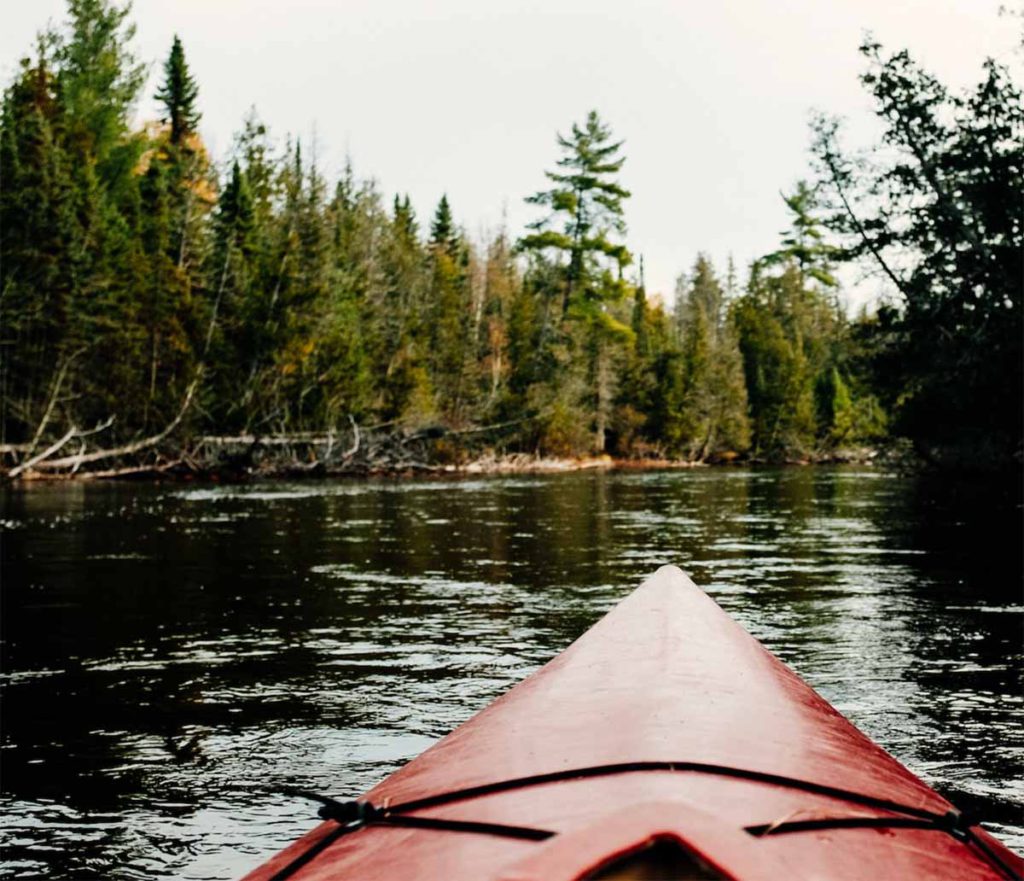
356	814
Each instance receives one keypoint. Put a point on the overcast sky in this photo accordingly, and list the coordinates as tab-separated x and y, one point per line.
464	96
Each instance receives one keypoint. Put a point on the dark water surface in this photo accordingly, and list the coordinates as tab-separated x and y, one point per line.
171	654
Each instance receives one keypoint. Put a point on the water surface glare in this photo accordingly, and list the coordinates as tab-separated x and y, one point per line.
174	656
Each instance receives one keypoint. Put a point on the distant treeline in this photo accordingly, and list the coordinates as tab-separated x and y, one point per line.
148	295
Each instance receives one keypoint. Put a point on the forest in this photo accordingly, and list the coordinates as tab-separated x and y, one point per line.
163	309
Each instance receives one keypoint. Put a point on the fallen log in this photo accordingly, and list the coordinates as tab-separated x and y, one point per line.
125	450
56	446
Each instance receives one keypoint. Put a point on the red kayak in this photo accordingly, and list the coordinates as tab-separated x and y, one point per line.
666	742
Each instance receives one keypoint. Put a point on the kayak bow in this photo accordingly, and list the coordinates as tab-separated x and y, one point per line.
666	742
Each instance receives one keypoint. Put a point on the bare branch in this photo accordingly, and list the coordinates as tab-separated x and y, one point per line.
54	393
49	451
355	443
127	449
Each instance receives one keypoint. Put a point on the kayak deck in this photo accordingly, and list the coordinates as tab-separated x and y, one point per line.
666	736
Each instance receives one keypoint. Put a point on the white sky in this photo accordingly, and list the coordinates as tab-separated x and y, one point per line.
464	96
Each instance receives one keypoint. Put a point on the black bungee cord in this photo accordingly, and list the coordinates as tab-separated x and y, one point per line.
356	814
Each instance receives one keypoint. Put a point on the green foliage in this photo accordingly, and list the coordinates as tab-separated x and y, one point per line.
584	211
778	381
133	272
714	394
449	336
69	210
937	210
443	234
98	78
178	94
804	243
576	262
834	406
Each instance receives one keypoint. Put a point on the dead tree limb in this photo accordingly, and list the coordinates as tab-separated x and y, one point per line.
49	451
5	449
78	461
131	470
277	440
51	402
59	444
355	442
127	449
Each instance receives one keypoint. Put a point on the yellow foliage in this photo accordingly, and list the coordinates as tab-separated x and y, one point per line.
198	178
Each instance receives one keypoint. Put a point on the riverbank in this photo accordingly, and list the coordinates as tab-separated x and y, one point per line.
245	458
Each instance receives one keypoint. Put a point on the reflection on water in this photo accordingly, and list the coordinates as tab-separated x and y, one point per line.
173	656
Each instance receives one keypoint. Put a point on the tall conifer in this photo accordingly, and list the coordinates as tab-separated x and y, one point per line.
178	94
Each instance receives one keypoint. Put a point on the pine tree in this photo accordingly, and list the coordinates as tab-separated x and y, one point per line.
406	392
804	242
779	380
234	213
41	233
730	424
703	292
501	282
713	415
835	410
75	150
442	229
648	405
99	80
449	332
949	238
585	213
229	329
178	95
180	149
585	207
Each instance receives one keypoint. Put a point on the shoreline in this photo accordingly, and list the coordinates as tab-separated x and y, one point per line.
485	465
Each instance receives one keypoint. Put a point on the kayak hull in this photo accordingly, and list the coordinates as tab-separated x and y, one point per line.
665	722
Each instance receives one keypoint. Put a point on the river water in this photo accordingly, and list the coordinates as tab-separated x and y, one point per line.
175	655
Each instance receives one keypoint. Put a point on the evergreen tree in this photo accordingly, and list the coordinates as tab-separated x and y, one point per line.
232	335
804	243
774	338
407	392
41	233
501	282
179	148
713	417
234	219
585	213
450	327
585	209
650	390
178	95
949	236
442	230
99	80
835	412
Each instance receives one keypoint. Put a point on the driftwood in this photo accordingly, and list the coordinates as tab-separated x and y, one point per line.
139	470
52	400
381	448
8	449
43	462
129	449
56	446
271	440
